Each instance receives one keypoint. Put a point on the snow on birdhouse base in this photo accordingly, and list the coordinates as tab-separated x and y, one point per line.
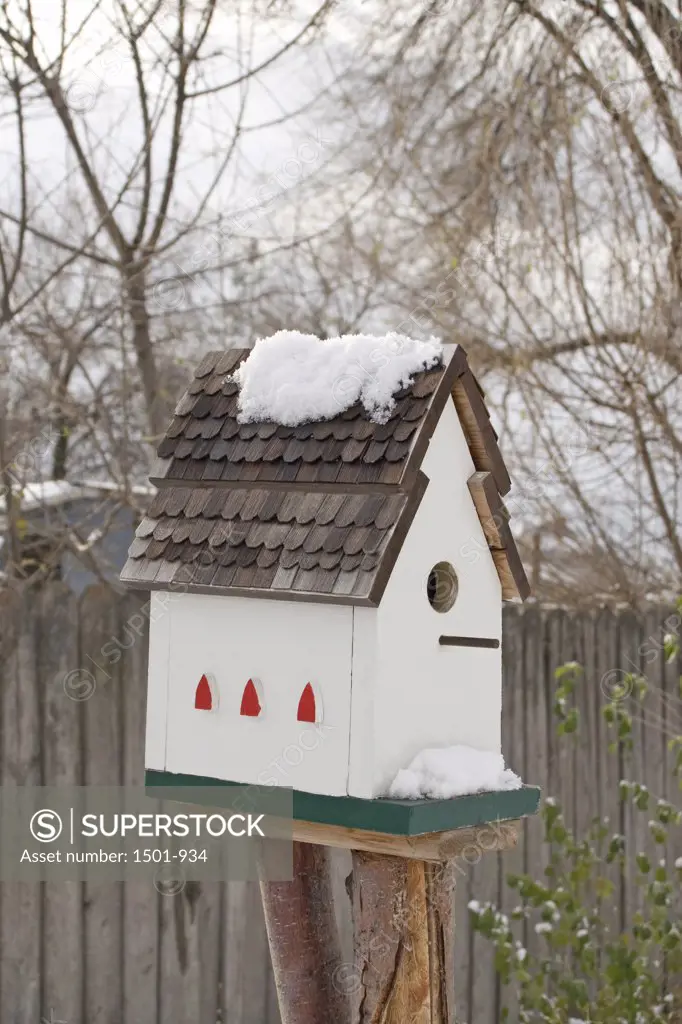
448	772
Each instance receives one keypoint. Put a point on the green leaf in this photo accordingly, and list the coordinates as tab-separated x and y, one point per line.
643	863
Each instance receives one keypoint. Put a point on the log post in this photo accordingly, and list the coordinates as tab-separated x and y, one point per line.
304	942
403	913
402	890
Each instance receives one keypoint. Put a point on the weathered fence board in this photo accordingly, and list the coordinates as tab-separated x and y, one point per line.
103	756
21	906
190	950
141	910
62	747
246	964
125	953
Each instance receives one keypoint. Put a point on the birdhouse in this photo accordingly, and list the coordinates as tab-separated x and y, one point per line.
328	552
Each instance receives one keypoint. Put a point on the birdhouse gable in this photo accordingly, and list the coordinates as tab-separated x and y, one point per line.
427	667
318	511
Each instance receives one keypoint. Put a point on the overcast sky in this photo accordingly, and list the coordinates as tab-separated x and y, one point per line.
102	88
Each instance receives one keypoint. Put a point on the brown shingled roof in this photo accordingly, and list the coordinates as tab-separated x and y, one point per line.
288	543
317	511
206	444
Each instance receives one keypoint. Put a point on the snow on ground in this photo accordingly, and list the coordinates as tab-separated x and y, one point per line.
293	378
446	772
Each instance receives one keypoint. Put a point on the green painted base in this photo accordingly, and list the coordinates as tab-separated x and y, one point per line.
391	817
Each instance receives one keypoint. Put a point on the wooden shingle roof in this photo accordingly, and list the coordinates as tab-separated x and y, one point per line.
285	542
317	511
206	443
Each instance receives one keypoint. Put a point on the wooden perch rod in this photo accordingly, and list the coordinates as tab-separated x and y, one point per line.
468	641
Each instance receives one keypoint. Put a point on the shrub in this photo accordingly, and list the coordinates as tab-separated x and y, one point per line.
589	971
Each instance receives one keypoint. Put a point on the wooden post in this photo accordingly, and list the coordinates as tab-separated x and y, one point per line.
304	942
402	889
404	941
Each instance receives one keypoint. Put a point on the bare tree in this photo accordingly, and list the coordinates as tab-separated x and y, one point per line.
177	75
108	260
525	162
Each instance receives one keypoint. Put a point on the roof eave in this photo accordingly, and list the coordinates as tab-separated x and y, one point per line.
305	596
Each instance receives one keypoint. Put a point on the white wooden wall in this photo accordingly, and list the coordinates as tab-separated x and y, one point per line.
425	695
283	645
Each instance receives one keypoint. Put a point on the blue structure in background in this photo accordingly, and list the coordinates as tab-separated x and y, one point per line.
92	514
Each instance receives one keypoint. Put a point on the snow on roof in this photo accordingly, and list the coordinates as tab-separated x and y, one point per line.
292	378
447	772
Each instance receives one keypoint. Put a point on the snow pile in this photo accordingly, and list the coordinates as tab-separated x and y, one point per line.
294	378
452	771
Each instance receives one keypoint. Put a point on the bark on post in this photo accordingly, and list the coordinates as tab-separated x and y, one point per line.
404	941
304	942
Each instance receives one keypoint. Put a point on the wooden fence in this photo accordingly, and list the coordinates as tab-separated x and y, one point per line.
124	954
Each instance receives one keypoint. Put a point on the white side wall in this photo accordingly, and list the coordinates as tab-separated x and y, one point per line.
281	644
157	681
363	693
409	692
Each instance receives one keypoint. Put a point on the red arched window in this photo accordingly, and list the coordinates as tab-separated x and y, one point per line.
203	697
251	704
309	709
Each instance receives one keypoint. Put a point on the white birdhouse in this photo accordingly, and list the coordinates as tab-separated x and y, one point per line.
328	552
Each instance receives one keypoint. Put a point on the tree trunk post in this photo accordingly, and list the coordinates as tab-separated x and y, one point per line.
402	891
304	942
403	914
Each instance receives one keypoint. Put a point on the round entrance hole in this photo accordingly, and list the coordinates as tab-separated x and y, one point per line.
442	587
